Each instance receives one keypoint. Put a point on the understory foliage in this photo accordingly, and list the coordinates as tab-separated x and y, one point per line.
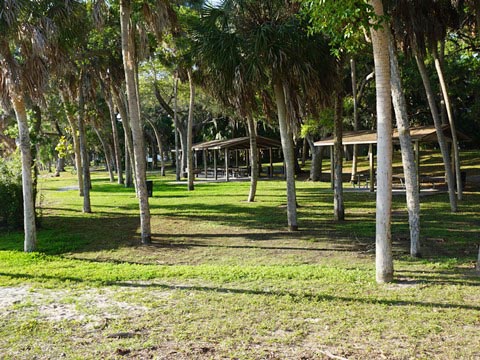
11	208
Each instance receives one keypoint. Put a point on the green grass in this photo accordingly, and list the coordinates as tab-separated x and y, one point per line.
224	279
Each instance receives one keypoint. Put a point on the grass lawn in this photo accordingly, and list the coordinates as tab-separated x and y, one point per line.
224	279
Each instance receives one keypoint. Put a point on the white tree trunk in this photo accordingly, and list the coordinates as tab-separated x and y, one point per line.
83	150
353	73
30	240
448	105
253	158
288	154
189	131
438	127
129	64
408	158
116	140
338	204
384	260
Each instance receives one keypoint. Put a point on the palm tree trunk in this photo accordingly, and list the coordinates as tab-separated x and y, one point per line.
116	140
30	240
448	105
355	116
317	157
129	64
67	103
253	158
106	153
438	127
83	150
288	154
160	147
384	260
338	204
128	166
122	109
408	158
175	123
189	131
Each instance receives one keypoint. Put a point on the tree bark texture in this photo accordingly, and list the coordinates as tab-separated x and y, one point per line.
116	140
408	157
317	157
353	72
189	149
448	106
438	127
129	64
338	204
253	158
67	104
288	154
83	150
384	260
30	239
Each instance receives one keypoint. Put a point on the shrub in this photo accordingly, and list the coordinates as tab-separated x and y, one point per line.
11	198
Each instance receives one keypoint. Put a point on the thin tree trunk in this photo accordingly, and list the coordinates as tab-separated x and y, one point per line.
129	64
107	154
183	135
122	109
69	112
317	157
30	239
338	204
408	157
175	123
83	149
116	141
128	166
253	158
189	131
384	260
355	116
288	154
160	147
438	127
448	106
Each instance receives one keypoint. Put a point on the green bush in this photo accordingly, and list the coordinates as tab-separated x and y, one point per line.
11	198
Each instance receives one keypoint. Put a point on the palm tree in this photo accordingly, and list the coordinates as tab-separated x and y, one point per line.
29	32
384	261
272	44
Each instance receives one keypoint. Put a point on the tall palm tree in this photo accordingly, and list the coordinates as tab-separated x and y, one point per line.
276	52
384	260
29	47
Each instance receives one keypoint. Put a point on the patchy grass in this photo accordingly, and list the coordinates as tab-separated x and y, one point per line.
224	279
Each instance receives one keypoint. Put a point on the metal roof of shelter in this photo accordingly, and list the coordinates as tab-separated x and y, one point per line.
425	134
241	143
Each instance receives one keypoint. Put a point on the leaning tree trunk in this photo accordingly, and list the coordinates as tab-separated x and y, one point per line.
384	260
408	158
160	148
438	127
69	112
338	204
129	64
128	166
116	140
288	154
107	154
189	131
253	158
317	157
83	150
448	105
355	116
122	109
30	240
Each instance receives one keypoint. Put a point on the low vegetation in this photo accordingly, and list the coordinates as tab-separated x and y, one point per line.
224	279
